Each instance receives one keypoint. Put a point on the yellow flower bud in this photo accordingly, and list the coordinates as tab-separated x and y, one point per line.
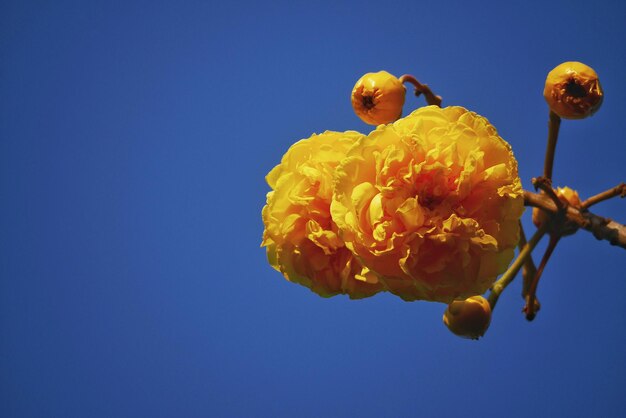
569	197
573	90
468	318
377	98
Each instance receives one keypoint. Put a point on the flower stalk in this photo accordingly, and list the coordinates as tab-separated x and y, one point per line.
510	274
529	269
553	135
619	190
531	307
420	88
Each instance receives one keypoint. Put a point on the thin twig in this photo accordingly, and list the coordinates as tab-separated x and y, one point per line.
553	134
619	190
531	308
420	88
529	269
514	268
545	185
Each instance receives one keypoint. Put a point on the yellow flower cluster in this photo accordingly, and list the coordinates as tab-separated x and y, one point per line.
301	238
426	208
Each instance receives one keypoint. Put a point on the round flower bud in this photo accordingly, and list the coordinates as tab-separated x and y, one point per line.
377	98
573	90
468	318
569	197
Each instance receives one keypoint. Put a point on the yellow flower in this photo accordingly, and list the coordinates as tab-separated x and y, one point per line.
567	196
573	90
469	318
431	204
300	236
377	98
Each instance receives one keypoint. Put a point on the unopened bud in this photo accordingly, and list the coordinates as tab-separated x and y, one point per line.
569	197
468	318
573	90
377	98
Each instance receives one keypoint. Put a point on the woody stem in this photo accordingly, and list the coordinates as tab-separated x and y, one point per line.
619	190
420	88
510	274
529	309
602	228
553	134
545	185
529	269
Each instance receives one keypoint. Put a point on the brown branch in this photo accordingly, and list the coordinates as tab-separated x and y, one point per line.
619	190
545	185
420	88
514	268
601	228
553	134
531	307
529	270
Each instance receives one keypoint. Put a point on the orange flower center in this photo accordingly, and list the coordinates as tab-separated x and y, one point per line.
574	89
368	102
429	201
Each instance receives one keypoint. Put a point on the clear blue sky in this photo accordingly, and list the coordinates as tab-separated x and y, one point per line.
134	141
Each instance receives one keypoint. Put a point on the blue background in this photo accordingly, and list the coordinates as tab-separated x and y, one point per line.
134	141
